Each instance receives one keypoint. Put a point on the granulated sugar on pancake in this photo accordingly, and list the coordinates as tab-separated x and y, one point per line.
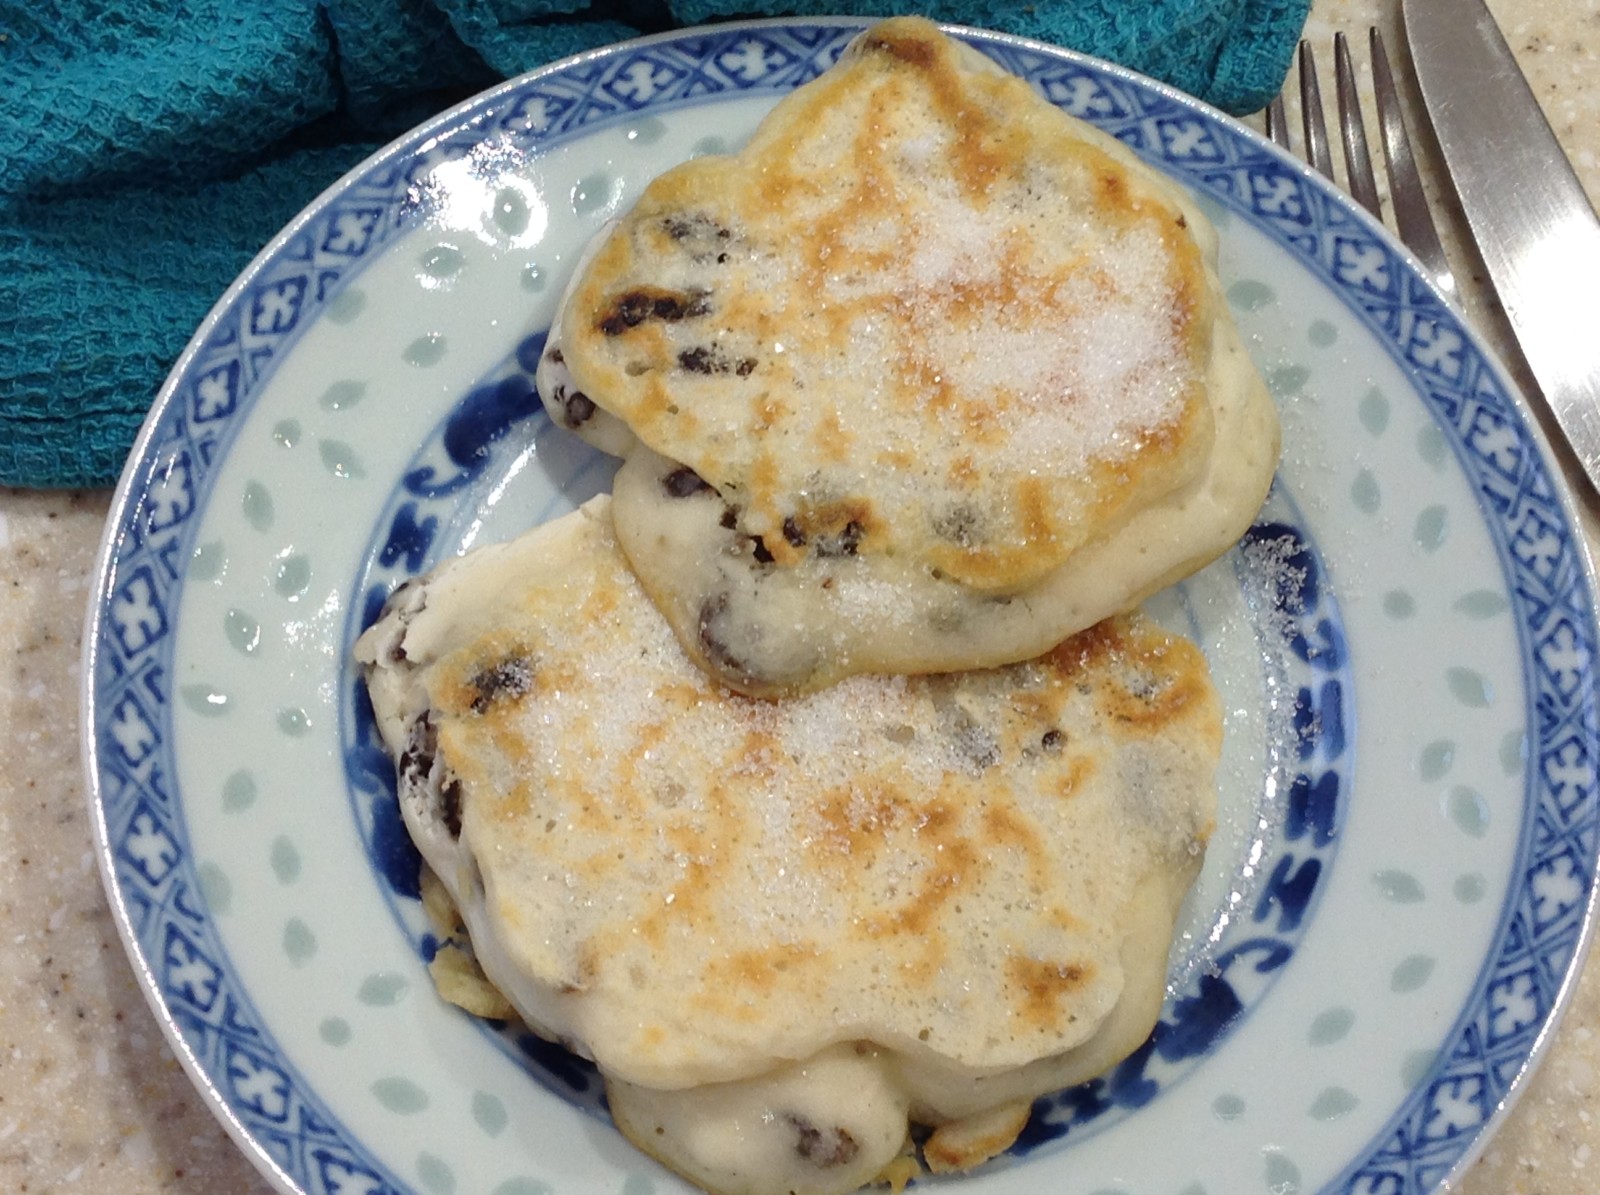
785	931
928	376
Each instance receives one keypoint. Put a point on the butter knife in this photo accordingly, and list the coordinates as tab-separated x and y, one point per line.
1527	210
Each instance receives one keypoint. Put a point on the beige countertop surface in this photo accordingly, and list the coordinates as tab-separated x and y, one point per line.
90	1097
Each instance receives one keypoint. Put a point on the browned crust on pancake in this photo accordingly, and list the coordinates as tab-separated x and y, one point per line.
762	427
599	810
963	1144
626	828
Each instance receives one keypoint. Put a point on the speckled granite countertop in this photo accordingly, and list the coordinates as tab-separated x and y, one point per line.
91	1099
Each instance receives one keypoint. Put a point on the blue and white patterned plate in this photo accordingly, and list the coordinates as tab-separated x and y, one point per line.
1400	886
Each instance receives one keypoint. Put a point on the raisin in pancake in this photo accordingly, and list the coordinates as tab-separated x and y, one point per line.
925	336
922	899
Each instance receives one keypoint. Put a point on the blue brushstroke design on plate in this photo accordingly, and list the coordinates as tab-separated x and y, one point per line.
1219	990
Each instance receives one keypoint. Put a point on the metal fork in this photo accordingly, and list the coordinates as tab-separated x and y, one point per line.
1412	218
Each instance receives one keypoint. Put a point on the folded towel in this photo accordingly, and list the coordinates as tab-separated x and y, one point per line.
148	148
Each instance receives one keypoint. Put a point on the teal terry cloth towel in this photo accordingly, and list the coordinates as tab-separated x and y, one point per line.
149	148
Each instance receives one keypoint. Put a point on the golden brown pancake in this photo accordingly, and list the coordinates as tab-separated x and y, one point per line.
925	339
786	930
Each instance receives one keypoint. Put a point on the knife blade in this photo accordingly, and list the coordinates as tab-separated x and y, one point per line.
1533	224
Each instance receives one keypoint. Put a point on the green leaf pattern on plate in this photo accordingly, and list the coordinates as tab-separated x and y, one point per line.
427	349
1331	1026
243	631
383	989
335	1031
1401	887
340	459
490	1113
285	859
1436	759
208	562
342	395
1364	492
239	791
299	943
205	700
1411	973
400	1095
435	1175
214	886
256	503
1283	1176
291	575
1332	1103
1399	604
1373	411
1227	1107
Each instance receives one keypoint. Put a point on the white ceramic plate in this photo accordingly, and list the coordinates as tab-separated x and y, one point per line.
1398	893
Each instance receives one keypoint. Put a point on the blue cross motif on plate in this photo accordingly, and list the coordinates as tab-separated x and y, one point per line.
1080	95
189	973
216	393
277	307
1564	657
149	847
1277	195
640	79
1496	441
1362	263
137	618
1434	347
1513	1005
351	230
257	1084
1558	888
135	738
537	111
170	496
752	59
1569	772
1538	544
1455	1105
1188	140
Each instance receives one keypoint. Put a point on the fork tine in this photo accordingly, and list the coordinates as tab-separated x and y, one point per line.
1311	113
1411	215
1277	123
1352	126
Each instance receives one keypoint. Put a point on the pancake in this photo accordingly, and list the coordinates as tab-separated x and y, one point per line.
785	931
928	376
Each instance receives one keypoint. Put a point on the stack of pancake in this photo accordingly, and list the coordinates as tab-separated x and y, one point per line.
820	783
